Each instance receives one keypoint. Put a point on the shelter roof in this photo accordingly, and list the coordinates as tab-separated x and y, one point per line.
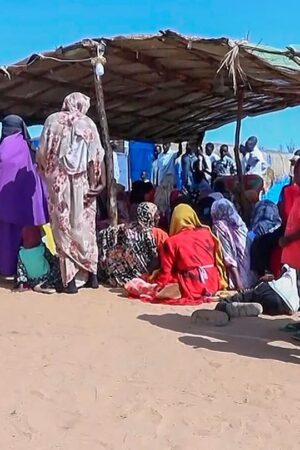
160	87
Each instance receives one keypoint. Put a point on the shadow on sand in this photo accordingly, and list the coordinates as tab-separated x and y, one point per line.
253	337
120	292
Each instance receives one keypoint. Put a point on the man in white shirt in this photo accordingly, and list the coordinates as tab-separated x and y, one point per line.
210	159
256	164
244	158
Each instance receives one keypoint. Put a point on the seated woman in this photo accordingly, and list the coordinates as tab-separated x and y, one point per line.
190	258
127	251
232	233
265	233
37	267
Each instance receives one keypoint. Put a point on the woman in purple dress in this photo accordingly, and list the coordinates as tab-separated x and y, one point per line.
22	199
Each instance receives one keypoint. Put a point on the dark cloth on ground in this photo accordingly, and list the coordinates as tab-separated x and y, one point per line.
272	303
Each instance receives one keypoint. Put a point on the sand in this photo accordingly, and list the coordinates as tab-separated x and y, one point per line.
97	371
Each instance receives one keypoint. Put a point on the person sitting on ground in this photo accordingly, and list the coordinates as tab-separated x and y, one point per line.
127	251
277	297
264	235
190	260
37	268
232	233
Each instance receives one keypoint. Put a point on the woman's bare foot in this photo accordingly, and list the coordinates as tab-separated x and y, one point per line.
21	288
170	291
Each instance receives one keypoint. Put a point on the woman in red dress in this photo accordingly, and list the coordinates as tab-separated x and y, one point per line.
190	259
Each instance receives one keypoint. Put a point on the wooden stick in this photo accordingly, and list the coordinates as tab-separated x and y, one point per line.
238	136
109	159
239	169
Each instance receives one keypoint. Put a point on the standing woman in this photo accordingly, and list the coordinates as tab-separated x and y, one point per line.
22	200
71	157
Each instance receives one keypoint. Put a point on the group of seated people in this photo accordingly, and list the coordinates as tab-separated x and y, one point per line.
170	246
207	248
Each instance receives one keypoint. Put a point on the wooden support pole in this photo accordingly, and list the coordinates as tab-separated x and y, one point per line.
237	138
109	160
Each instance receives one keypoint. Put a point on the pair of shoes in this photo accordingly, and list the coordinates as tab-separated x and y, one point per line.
236	309
92	282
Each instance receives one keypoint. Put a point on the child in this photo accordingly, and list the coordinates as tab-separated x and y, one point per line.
37	268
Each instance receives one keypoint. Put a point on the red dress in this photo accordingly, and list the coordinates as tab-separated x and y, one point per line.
188	258
288	197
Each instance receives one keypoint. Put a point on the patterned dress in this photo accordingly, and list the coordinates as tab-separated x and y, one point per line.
127	250
71	155
50	278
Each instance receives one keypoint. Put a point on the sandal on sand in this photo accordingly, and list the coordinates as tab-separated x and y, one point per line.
44	289
236	309
209	317
291	327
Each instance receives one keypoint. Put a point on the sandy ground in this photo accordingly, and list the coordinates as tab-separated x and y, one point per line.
97	371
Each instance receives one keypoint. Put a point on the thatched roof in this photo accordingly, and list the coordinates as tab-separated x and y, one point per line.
162	87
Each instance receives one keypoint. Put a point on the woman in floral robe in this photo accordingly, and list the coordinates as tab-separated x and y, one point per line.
71	158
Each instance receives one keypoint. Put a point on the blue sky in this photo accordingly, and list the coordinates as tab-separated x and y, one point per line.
33	26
